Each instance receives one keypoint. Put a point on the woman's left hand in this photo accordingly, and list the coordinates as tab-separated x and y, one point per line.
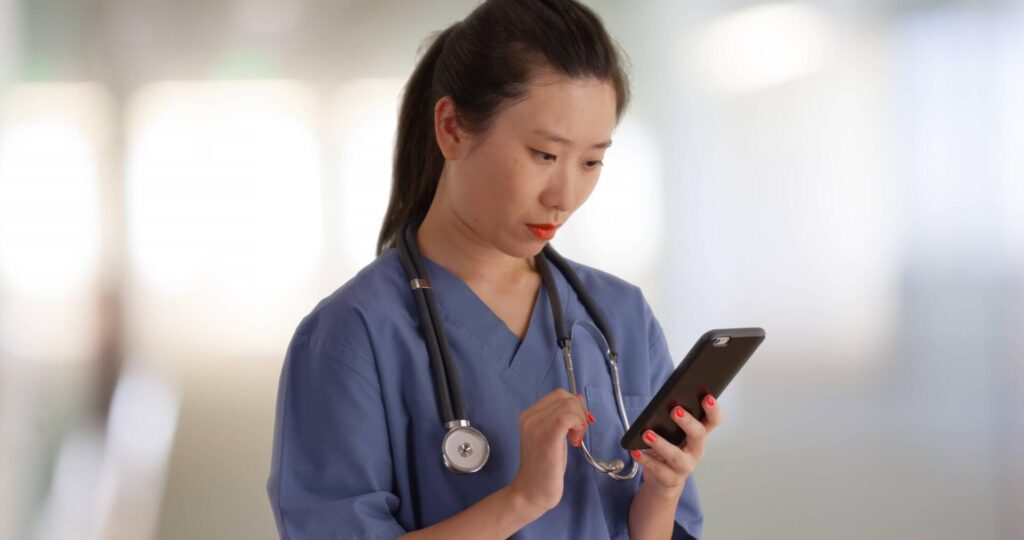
667	466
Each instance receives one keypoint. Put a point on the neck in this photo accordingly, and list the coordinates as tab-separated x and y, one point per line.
449	241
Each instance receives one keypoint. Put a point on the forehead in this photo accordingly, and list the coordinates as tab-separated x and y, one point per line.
582	110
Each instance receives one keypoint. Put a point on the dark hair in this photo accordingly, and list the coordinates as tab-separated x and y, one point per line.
484	62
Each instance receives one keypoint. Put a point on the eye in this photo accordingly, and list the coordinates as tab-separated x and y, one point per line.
595	164
544	155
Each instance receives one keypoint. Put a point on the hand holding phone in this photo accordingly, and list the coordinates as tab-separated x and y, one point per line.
707	369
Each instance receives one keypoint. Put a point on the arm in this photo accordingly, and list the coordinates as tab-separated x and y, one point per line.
499	515
652	514
667	473
666	505
329	417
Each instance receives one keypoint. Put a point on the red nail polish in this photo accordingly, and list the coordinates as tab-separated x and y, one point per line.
636	454
649	436
678	411
590	417
711	401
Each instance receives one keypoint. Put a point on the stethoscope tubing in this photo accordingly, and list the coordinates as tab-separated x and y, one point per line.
452	406
450	401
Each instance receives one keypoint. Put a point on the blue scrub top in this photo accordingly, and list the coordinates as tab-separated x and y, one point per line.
357	443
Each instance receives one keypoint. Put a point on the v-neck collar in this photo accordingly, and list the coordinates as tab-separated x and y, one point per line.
530	358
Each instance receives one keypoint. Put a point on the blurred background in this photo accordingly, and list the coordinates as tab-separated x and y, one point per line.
181	181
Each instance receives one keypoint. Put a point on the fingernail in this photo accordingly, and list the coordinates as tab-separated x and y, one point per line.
636	454
649	436
579	396
711	401
678	411
590	417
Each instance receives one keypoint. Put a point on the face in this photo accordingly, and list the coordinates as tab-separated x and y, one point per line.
517	183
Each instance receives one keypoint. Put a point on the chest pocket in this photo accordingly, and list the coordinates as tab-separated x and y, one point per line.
602	439
603	435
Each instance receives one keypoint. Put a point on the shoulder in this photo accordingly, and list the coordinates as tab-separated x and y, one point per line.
610	289
346	316
623	302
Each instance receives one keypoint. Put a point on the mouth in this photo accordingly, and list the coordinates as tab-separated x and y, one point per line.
543	231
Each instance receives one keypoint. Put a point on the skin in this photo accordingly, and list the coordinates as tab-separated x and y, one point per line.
538	162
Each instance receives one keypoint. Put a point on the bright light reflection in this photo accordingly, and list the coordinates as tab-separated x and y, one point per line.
365	115
50	139
224	212
763	46
223	185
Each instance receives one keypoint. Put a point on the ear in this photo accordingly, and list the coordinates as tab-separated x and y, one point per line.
450	137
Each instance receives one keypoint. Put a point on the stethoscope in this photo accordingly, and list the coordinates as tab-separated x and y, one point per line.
464	448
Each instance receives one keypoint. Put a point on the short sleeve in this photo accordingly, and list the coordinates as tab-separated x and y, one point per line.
331	473
689	516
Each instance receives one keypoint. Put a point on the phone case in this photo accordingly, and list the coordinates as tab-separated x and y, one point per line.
708	368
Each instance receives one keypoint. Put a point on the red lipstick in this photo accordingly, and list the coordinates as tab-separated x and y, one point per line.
542	231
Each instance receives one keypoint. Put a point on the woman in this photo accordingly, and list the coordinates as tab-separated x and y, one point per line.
502	129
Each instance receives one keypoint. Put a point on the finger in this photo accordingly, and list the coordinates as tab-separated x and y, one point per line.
586	410
662	473
570	423
565	417
541	413
545	402
713	415
544	405
670	454
696	433
534	422
688	462
575	405
537	414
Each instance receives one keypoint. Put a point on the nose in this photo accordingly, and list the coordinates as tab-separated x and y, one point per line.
560	192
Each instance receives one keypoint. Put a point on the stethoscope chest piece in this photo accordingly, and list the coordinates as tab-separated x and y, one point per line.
464	448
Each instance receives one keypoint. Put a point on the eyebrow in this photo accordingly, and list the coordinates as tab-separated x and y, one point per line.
554	137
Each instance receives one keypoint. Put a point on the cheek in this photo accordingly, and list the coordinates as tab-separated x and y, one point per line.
493	190
508	187
517	184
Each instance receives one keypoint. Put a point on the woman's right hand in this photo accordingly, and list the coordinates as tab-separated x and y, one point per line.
544	429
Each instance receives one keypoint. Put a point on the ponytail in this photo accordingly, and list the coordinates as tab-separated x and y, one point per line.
418	160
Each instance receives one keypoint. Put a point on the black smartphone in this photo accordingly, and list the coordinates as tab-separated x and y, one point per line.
707	369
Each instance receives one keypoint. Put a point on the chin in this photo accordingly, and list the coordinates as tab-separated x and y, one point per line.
523	250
